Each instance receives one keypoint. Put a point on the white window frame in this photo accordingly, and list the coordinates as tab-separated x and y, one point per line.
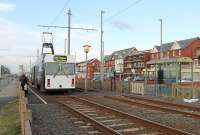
179	52
196	62
174	53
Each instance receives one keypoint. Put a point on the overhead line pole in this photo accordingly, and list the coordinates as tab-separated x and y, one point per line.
102	53
69	30
161	49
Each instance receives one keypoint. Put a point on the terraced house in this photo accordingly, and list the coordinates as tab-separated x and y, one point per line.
93	67
135	63
182	48
117	62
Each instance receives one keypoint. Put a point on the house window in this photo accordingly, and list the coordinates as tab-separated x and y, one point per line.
168	54
196	63
179	52
142	64
152	56
173	53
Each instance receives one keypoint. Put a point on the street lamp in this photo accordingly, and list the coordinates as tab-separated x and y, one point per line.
86	50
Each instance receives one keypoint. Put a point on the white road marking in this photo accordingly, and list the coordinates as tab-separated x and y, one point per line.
38	96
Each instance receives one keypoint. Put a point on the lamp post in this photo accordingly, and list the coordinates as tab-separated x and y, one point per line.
86	50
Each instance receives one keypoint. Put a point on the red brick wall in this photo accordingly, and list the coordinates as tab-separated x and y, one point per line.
93	67
109	63
189	51
147	56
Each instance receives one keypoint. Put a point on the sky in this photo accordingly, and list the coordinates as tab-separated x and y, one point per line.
126	23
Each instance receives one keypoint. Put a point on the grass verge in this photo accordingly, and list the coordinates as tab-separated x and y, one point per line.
10	119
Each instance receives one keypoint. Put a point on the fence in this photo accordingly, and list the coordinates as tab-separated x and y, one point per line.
142	89
25	113
112	85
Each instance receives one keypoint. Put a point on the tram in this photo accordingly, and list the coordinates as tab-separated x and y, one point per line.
53	72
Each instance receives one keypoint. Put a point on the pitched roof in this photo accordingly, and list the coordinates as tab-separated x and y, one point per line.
141	52
89	61
185	43
182	43
123	53
107	57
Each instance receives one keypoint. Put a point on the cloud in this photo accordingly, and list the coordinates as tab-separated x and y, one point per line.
18	43
6	7
121	25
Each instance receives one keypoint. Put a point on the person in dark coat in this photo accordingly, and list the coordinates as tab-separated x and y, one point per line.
24	81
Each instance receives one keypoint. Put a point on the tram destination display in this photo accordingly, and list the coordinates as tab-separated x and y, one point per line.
60	58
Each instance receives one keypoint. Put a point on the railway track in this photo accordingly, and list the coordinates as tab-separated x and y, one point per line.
164	103
112	121
157	106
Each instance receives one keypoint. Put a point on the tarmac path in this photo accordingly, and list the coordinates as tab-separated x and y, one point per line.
8	93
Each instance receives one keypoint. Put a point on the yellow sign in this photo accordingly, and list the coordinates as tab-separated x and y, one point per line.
60	58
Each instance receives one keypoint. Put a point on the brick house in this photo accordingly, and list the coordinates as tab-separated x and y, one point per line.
116	61
182	48
93	67
135	63
109	64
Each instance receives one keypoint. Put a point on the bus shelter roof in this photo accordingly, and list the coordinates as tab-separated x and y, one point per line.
170	60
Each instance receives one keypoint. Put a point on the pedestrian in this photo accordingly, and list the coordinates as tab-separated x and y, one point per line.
24	83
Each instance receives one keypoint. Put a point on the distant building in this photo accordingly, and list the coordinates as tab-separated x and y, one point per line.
93	67
131	62
116	61
4	71
109	65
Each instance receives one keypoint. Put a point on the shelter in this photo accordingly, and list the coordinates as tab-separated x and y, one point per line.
169	71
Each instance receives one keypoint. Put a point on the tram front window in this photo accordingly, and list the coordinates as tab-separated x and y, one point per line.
68	68
51	68
59	68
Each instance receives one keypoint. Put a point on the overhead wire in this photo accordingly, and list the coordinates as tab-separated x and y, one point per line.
59	13
122	10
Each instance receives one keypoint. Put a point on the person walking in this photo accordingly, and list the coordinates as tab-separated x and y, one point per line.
24	82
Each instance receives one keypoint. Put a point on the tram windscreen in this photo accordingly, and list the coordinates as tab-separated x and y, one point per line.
55	68
68	68
51	68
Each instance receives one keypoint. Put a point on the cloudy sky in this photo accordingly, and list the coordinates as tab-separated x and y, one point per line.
127	23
